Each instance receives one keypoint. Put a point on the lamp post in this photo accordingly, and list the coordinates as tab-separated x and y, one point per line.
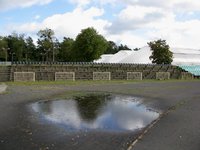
12	53
6	53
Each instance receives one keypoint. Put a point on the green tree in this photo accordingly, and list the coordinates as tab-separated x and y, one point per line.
65	50
30	52
123	47
88	46
112	48
46	44
161	53
3	49
16	45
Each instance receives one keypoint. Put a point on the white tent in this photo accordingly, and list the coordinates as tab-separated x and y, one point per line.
180	56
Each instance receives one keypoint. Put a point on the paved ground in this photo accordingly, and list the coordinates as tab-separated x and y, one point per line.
3	88
177	130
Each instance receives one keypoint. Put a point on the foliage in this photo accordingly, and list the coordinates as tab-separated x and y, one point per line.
65	50
16	44
123	47
88	46
112	48
30	50
46	44
3	49
161	53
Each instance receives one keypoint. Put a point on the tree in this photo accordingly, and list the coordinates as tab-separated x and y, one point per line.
88	46
161	53
112	48
3	49
65	50
46	44
16	45
30	51
123	47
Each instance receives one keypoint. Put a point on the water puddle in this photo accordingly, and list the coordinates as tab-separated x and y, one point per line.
96	112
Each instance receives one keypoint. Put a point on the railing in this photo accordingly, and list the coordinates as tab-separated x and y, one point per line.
4	63
77	63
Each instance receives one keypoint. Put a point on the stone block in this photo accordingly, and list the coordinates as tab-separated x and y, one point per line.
162	75
60	76
134	75
101	75
186	76
24	76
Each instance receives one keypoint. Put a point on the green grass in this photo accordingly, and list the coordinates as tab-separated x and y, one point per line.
90	82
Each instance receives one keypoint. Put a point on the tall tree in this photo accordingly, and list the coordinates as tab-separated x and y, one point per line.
112	48
3	49
88	46
46	43
65	50
30	52
16	45
123	47
161	53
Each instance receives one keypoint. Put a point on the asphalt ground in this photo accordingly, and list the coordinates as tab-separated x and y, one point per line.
178	128
3	88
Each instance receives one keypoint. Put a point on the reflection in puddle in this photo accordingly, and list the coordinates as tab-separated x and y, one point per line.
97	112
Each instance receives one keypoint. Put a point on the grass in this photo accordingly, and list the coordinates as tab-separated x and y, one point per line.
91	82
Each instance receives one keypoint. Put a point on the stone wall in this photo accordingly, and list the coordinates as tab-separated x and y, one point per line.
5	73
134	76
101	75
85	71
162	75
60	76
186	76
24	76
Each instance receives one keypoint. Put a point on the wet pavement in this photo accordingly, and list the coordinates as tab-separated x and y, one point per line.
24	125
95	112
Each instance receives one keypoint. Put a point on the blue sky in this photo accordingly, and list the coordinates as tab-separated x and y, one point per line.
130	22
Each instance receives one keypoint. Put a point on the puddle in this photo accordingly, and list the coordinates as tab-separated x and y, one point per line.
96	112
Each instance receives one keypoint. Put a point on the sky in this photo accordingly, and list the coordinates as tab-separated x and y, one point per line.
130	22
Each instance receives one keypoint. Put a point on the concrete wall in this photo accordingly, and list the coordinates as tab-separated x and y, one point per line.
85	71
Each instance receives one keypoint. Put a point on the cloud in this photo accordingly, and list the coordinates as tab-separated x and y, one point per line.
136	23
68	24
10	4
135	17
80	3
183	5
37	17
